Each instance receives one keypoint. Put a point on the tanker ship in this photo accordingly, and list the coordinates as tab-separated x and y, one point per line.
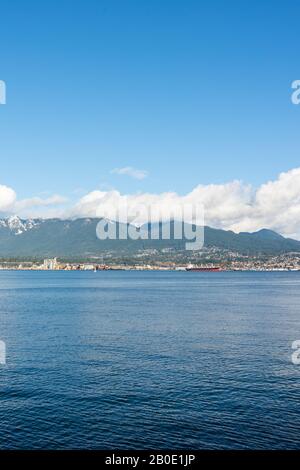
203	268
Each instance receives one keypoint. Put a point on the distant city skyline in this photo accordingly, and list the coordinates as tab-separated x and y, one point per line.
163	101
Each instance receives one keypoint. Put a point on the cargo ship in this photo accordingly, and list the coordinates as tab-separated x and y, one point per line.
203	269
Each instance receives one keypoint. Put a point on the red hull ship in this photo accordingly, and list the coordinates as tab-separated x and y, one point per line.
216	268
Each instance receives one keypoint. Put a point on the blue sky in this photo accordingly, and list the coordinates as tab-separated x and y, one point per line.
191	92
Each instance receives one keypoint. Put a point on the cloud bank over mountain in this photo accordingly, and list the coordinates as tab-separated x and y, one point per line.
231	206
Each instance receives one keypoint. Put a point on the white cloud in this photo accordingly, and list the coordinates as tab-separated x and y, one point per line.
31	207
223	204
130	171
30	203
232	206
7	198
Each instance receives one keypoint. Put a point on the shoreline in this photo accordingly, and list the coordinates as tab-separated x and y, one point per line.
155	269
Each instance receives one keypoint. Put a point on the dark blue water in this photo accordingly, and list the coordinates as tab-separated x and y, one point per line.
134	360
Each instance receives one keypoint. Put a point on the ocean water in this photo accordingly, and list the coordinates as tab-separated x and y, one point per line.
145	360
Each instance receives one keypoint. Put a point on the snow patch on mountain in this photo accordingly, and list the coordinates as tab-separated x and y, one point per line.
18	226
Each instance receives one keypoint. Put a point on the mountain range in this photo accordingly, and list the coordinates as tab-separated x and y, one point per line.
71	239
